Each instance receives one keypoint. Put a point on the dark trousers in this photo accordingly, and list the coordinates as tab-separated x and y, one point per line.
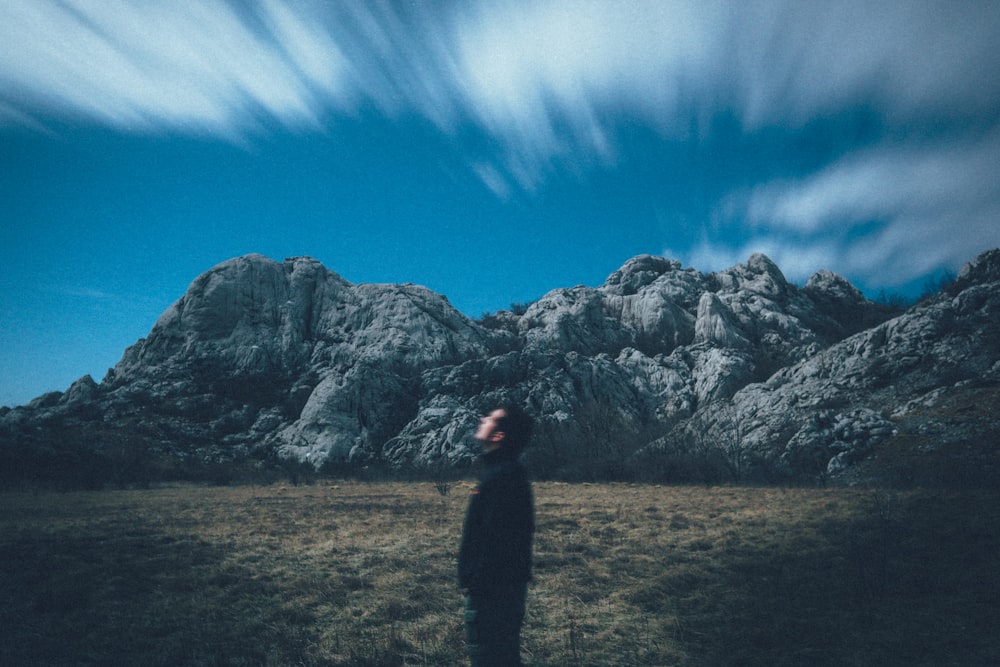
493	626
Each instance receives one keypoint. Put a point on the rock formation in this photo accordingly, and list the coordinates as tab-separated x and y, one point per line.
263	359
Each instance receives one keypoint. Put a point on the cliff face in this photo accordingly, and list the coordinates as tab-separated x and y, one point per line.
290	358
929	376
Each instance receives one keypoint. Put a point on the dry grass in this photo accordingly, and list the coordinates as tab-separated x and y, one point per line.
363	574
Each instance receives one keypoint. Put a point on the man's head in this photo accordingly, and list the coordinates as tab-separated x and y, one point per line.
508	426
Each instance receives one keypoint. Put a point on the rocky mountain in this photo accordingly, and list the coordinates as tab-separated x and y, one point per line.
912	400
662	372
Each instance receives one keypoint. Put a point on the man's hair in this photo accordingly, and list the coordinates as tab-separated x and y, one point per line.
517	426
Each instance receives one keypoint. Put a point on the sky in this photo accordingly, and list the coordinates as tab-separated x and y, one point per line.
491	151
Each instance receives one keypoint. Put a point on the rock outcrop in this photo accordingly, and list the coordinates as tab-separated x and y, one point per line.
833	409
260	358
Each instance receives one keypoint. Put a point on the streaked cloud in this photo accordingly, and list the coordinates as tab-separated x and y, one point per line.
930	206
912	60
549	90
82	292
198	67
553	77
548	79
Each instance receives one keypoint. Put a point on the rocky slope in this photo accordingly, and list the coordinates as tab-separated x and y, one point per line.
261	359
840	407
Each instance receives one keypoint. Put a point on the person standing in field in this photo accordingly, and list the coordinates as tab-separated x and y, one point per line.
494	557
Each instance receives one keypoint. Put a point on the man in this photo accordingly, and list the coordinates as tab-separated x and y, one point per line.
494	558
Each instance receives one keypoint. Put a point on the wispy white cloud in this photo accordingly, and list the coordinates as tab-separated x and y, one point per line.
934	205
552	84
793	61
145	66
547	79
552	80
83	292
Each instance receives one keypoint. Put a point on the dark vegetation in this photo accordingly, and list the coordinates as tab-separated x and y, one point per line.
934	285
504	320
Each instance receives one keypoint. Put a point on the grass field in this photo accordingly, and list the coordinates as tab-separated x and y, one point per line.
363	574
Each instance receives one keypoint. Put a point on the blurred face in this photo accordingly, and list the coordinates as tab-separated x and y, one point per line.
488	432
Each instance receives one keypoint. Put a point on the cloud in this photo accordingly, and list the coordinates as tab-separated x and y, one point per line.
932	205
554	81
794	61
546	79
84	293
147	66
537	91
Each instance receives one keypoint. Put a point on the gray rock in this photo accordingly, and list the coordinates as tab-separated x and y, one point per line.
290	358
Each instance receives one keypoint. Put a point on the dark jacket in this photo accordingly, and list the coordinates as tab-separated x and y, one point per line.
499	526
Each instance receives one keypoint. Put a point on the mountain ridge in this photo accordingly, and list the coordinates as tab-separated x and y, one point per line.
658	369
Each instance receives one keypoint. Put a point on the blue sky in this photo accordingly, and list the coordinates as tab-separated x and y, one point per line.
491	151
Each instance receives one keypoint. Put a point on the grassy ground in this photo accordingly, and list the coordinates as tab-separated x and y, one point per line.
363	574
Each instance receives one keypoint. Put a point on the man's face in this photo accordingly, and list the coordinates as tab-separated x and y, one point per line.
488	433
